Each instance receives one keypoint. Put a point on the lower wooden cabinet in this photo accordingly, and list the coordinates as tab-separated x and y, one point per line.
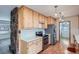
22	47
32	47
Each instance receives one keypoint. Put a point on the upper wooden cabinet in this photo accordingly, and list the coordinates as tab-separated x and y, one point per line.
35	20
41	18
31	19
51	20
45	22
28	21
25	17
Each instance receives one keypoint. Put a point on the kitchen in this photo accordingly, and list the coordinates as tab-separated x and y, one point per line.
31	32
36	29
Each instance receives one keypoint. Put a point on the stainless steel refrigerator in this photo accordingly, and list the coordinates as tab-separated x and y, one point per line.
52	31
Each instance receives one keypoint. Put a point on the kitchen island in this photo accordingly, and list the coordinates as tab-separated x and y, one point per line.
30	46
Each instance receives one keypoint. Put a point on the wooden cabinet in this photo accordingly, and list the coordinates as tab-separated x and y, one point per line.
27	15
35	20
25	18
45	22
31	19
41	21
20	18
51	20
31	47
22	47
41	18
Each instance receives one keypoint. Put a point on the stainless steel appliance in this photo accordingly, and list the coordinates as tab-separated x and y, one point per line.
45	39
52	31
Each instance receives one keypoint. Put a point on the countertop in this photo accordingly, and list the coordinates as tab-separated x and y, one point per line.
32	38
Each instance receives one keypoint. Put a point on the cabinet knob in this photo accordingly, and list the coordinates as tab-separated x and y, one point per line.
19	31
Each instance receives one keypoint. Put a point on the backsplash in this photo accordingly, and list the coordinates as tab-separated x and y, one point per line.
30	33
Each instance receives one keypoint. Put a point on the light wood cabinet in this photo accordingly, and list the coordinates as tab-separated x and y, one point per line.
35	20
31	47
20	18
51	20
25	18
45	22
22	47
41	18
28	21
31	19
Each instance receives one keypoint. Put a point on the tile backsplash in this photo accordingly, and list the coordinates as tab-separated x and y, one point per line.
30	33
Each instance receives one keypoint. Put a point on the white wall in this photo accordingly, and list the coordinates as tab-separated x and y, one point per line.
74	26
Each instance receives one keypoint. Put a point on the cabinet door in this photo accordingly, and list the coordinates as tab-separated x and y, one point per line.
39	44
31	47
28	21
45	22
23	47
51	20
41	18
35	20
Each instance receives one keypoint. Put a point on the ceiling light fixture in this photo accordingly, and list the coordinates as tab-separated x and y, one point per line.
61	16
56	11
58	14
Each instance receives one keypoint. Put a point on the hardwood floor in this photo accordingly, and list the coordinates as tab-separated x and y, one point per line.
56	49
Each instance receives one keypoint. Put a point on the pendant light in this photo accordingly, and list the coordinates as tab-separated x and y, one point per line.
58	14
61	16
56	11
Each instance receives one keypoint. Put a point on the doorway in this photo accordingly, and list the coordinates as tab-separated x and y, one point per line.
64	33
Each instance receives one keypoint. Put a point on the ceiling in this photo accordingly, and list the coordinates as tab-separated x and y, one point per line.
48	10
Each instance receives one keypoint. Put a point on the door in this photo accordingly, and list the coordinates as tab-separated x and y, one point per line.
64	32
